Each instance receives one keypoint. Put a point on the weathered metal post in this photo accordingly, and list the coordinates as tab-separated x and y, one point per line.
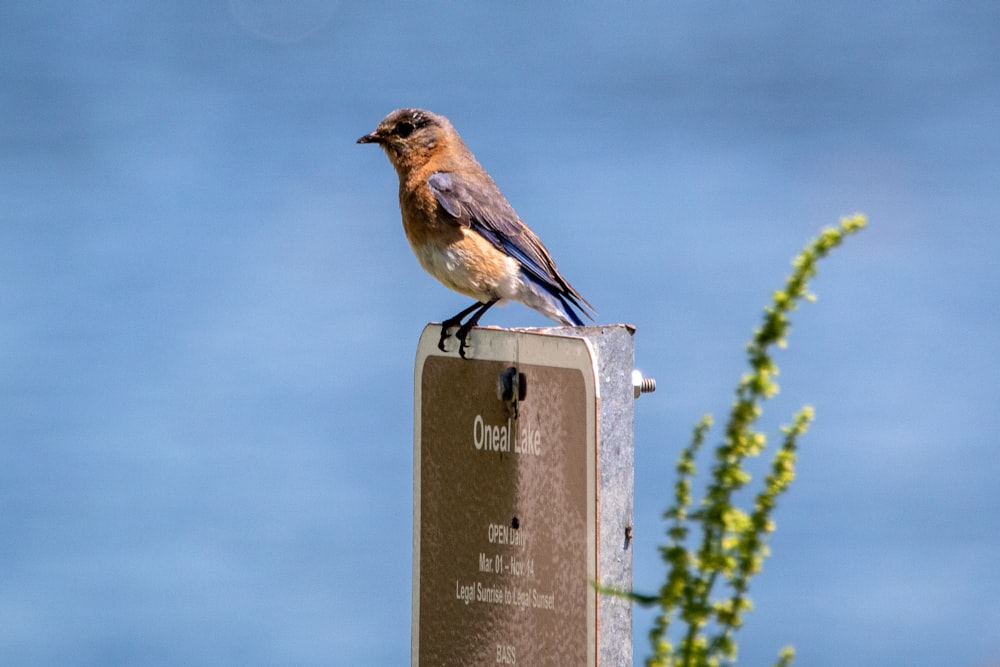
523	477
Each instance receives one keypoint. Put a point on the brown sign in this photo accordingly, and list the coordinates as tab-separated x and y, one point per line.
504	505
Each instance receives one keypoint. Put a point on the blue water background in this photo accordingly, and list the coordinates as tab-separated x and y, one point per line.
208	310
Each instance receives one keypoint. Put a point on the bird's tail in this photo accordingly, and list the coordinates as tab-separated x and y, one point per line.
559	305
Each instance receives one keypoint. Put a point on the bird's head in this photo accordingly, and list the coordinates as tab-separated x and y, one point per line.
410	137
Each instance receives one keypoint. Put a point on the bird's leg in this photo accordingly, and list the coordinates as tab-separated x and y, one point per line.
463	331
455	322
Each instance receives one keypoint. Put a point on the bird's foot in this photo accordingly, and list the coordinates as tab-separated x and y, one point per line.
444	336
463	337
462	334
463	329
445	327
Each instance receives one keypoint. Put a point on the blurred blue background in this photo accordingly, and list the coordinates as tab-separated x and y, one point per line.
208	310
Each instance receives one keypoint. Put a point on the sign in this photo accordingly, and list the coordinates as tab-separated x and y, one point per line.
505	502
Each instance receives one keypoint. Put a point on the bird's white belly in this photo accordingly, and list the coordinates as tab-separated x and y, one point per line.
463	272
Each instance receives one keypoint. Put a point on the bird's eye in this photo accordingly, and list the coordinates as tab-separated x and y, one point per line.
404	129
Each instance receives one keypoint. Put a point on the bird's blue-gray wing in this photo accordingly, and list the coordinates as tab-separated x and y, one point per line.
481	206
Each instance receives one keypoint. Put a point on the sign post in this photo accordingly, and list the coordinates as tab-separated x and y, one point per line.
523	498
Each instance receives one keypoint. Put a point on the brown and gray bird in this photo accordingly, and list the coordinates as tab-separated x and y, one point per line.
462	229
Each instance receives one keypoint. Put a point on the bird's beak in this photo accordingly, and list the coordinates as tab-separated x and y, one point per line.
372	138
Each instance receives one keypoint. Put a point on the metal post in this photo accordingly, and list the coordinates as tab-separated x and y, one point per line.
523	479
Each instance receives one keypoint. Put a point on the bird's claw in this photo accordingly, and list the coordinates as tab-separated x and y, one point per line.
464	328
463	336
446	326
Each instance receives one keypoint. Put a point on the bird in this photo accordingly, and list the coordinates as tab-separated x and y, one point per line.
463	230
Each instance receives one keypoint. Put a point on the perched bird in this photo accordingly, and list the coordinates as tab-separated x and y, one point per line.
462	229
